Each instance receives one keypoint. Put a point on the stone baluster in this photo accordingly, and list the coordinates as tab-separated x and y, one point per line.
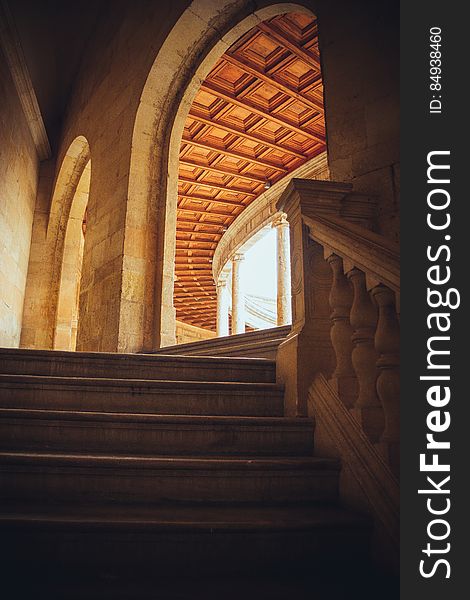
367	409
341	298
387	344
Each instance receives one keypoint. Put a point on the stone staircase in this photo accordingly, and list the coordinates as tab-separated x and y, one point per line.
262	343
170	472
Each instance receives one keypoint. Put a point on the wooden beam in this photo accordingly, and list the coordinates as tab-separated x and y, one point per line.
307	56
199	235
221	170
189	222
193	269
246	104
209	200
180	292
235	153
215	213
205	251
194	300
186	277
269	79
247	135
215	186
193	265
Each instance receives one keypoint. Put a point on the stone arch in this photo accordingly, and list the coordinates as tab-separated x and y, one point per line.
49	243
202	34
69	199
66	320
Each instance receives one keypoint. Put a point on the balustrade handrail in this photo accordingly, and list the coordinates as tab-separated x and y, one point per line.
375	255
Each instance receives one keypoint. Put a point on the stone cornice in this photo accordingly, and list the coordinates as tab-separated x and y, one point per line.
10	43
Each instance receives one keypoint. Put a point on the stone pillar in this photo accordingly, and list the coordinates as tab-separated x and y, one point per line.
284	307
222	308
238	297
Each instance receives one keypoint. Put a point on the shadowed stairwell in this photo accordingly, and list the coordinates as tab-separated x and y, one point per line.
121	470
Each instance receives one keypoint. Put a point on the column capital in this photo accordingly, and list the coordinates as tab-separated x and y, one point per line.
280	220
238	257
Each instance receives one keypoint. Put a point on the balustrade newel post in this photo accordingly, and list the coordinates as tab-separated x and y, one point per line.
341	299
387	344
367	410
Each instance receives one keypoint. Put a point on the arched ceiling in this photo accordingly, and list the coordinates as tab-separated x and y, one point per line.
257	117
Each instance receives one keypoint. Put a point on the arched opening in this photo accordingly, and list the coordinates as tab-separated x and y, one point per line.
187	57
56	252
66	323
260	281
256	119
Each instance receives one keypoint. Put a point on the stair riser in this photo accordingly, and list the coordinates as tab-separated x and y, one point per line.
144	400
156	369
103	485
183	554
22	434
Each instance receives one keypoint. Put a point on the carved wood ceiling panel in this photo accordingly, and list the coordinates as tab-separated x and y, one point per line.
258	116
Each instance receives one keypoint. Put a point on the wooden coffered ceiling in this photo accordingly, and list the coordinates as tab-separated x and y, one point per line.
257	117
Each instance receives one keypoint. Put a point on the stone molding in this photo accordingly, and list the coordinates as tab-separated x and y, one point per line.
374	477
200	36
14	55
376	256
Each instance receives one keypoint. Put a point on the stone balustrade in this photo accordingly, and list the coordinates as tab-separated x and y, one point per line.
345	294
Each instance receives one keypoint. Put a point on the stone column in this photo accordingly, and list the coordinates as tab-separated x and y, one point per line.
238	297
284	305
222	308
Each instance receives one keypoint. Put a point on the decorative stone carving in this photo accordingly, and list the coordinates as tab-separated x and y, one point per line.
387	344
363	317
341	299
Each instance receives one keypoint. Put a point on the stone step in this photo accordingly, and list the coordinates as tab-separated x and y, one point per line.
141	396
135	366
99	478
263	344
66	430
181	540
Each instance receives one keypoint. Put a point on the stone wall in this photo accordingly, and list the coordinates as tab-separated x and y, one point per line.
127	110
18	183
359	43
185	334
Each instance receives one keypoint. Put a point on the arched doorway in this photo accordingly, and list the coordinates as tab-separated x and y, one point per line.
66	322
189	54
256	118
56	255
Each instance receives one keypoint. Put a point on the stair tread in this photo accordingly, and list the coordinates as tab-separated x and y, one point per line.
232	348
163	419
141	357
183	517
270	332
251	463
153	383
